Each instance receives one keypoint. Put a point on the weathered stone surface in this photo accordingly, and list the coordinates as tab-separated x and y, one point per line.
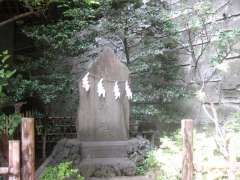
226	110
147	177
138	149
107	167
231	96
104	118
104	149
70	150
213	90
231	77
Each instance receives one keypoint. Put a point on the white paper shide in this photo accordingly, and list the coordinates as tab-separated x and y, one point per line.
85	82
128	90
116	91
100	89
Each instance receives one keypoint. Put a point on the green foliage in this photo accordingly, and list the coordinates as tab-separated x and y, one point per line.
39	76
153	71
62	35
8	124
40	3
33	3
61	171
155	90
130	19
59	37
225	42
169	155
5	72
47	88
150	163
92	2
233	124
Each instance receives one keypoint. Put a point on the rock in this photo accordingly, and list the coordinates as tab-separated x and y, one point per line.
231	79
138	149
231	96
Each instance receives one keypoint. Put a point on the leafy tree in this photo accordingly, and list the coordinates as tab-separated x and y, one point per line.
135	23
198	24
153	65
39	76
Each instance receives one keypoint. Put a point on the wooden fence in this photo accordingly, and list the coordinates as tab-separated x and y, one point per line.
188	164
26	169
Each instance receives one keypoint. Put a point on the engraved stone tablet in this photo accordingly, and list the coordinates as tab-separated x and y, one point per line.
104	118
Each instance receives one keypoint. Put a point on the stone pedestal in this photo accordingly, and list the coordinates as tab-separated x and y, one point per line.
104	149
108	158
103	122
107	167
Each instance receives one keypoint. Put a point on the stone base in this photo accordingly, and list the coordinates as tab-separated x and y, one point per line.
107	167
105	159
99	159
104	149
148	176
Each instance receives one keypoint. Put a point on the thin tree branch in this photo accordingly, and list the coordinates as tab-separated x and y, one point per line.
17	17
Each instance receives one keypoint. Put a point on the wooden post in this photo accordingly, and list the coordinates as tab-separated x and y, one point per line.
44	144
14	160
28	149
3	170
232	159
187	133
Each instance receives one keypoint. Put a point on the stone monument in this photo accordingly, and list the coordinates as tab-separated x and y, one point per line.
103	121
102	148
104	118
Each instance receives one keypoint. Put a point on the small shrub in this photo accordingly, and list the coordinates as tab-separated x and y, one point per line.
61	171
150	163
8	124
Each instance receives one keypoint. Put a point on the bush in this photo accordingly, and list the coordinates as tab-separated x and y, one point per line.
61	171
150	163
8	124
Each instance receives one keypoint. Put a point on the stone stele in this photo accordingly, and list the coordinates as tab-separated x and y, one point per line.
104	118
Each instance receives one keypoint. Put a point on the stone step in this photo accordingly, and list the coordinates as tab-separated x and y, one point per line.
104	149
125	178
107	167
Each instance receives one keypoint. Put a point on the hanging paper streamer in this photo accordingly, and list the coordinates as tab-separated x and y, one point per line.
116	91
100	89
128	90
85	82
